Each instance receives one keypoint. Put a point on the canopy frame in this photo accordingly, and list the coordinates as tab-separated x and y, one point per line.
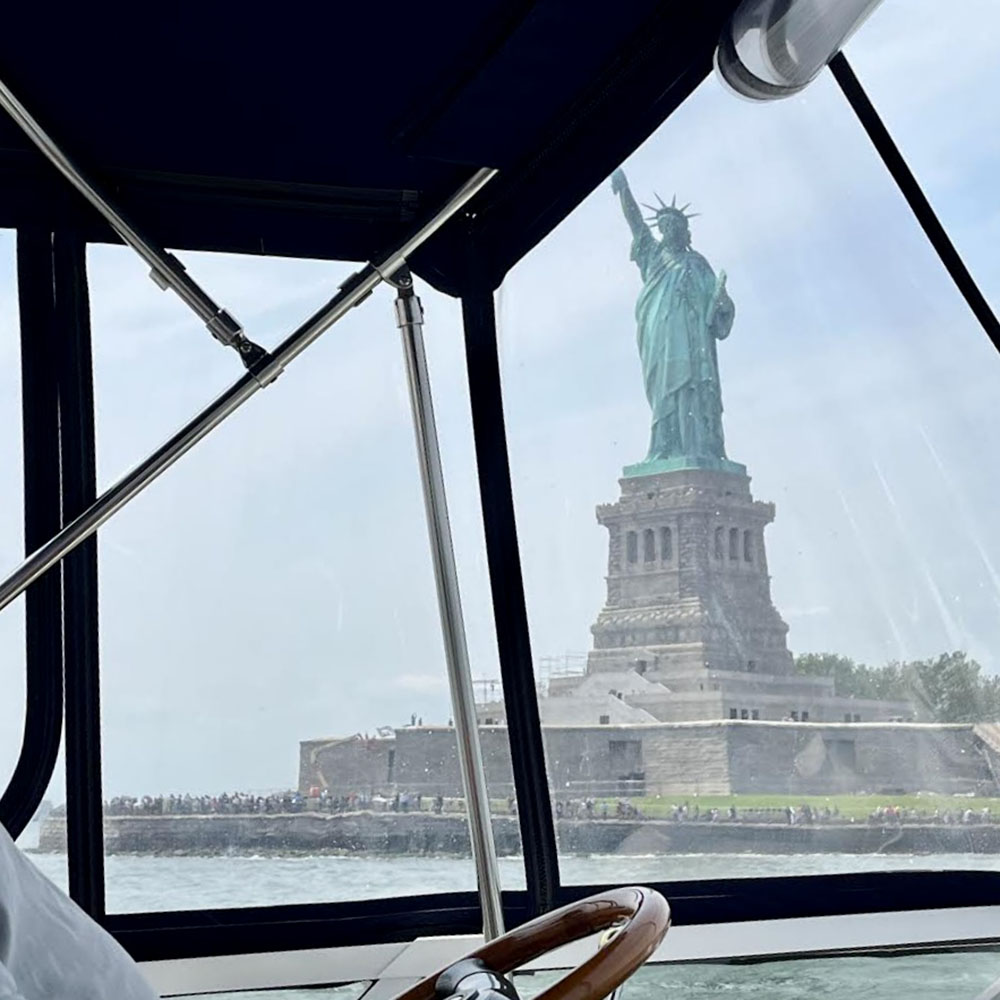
410	320
165	269
262	369
350	293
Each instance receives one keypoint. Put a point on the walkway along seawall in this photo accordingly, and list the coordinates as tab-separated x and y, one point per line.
416	833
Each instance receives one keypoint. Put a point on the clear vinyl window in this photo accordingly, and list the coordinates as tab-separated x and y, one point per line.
745	338
275	711
927	70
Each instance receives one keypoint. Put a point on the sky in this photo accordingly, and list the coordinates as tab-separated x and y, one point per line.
276	584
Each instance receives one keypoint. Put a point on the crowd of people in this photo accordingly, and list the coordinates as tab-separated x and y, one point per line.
592	809
201	805
318	800
398	802
807	815
895	816
803	814
230	803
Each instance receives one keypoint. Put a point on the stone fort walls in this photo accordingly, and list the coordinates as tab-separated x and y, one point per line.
686	758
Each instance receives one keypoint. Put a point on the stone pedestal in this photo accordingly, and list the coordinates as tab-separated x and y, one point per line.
688	587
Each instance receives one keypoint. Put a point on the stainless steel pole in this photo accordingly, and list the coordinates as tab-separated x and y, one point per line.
165	269
410	319
358	287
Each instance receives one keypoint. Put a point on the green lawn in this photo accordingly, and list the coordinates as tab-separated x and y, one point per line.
857	807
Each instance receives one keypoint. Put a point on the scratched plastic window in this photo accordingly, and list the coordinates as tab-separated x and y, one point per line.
753	433
930	102
276	718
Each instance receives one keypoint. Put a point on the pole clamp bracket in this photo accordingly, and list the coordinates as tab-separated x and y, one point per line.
409	311
227	331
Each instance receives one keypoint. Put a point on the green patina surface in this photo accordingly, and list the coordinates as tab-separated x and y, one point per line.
657	466
682	310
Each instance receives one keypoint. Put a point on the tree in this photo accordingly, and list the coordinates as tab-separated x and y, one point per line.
948	688
854	680
952	689
843	670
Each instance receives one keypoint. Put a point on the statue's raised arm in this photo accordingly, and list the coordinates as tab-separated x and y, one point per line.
633	214
683	309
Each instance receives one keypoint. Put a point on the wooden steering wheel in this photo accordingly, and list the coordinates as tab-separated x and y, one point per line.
642	915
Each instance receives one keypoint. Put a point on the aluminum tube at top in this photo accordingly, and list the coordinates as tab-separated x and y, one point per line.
470	757
109	502
384	267
167	270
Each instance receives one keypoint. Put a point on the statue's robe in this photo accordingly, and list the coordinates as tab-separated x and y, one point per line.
680	316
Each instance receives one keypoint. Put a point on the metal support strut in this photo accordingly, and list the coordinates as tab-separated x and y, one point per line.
165	269
357	288
410	320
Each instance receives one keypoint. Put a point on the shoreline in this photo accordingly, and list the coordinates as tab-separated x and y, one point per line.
416	834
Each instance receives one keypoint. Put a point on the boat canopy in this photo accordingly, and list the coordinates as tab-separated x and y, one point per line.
326	133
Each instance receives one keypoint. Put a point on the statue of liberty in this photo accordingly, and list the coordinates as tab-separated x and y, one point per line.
682	310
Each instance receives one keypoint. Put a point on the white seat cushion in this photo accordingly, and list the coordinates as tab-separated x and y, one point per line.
49	948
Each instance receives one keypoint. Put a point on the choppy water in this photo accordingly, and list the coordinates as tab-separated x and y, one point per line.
150	882
153	883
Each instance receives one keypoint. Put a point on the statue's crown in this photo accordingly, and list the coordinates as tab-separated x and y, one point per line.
671	209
